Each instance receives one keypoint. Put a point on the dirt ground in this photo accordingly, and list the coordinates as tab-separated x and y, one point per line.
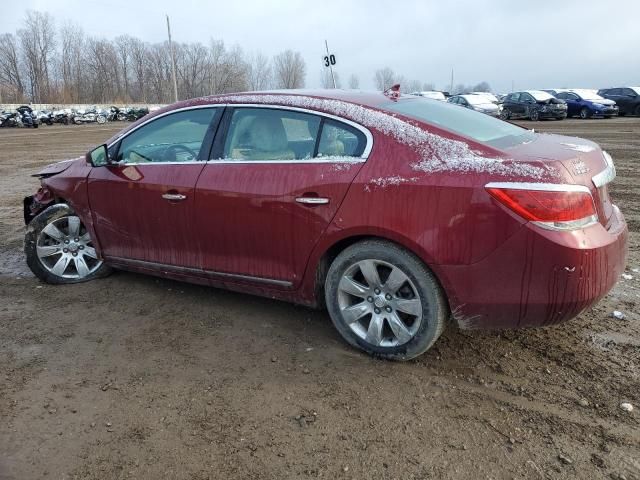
134	377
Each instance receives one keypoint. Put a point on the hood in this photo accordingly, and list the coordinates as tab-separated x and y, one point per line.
604	101
58	167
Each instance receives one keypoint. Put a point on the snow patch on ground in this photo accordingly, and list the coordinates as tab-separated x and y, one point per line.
438	154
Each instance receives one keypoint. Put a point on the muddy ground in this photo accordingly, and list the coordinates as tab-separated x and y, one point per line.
137	377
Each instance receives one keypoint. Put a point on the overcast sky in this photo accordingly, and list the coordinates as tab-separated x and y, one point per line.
532	43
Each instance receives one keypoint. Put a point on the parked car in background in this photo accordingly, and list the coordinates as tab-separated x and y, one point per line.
432	94
534	105
587	104
490	96
627	99
476	219
479	103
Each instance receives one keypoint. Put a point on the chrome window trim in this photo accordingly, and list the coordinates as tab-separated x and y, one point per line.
607	175
549	187
361	159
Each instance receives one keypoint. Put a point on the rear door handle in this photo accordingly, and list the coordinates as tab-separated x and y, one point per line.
174	197
312	200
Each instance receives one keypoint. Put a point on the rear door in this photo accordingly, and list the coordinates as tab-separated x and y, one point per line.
277	181
143	205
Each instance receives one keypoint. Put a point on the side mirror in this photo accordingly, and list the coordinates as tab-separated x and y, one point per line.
99	157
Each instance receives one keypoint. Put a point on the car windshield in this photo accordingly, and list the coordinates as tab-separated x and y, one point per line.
636	89
463	121
540	95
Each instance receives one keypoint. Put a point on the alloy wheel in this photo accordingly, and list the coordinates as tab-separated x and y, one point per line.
65	249
379	303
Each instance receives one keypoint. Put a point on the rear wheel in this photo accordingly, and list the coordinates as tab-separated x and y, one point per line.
636	112
383	300
584	113
59	248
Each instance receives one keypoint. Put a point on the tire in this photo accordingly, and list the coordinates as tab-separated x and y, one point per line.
585	113
121	117
35	125
101	119
534	115
505	114
54	256
636	112
77	120
415	290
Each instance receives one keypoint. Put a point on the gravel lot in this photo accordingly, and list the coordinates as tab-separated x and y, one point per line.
138	377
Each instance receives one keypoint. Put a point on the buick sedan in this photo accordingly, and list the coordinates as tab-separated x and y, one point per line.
399	214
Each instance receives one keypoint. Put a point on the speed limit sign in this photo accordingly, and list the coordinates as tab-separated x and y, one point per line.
329	60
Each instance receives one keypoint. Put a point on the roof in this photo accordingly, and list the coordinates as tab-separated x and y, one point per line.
360	97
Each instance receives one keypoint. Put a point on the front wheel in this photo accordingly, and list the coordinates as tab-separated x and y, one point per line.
584	113
534	115
505	114
59	248
101	119
383	300
636	112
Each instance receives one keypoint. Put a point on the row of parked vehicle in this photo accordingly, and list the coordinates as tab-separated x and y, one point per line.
558	103
25	116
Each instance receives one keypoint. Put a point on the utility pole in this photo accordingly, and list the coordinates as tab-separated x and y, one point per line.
326	45
173	62
451	86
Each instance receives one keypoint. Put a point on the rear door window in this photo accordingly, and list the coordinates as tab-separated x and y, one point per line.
271	134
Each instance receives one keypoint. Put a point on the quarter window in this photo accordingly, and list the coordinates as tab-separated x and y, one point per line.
177	137
341	140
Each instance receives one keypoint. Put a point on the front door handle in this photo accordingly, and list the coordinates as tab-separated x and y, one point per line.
174	197
312	200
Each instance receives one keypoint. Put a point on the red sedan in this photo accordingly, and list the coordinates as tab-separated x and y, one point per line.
397	213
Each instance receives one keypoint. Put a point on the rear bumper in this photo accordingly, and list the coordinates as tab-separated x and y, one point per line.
538	277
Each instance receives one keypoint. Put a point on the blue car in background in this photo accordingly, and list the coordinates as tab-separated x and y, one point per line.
587	104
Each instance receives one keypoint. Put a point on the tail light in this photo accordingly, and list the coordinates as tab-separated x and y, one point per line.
548	205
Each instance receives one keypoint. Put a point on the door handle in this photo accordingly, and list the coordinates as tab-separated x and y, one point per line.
174	197
312	200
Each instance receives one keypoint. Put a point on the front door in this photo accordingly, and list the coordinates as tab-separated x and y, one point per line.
281	177
142	205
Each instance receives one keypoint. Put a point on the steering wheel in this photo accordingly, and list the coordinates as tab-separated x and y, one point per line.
170	154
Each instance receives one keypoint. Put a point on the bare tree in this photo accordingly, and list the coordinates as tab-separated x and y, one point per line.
123	45
481	87
38	43
10	75
384	78
354	82
259	75
289	70
327	80
192	61
428	87
412	86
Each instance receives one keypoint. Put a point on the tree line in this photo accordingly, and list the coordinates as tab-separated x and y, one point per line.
41	63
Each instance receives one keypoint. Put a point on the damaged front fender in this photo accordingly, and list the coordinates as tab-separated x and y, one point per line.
34	204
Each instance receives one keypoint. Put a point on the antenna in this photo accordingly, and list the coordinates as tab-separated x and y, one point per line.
173	62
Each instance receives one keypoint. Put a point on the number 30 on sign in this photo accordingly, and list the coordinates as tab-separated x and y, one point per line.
329	60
